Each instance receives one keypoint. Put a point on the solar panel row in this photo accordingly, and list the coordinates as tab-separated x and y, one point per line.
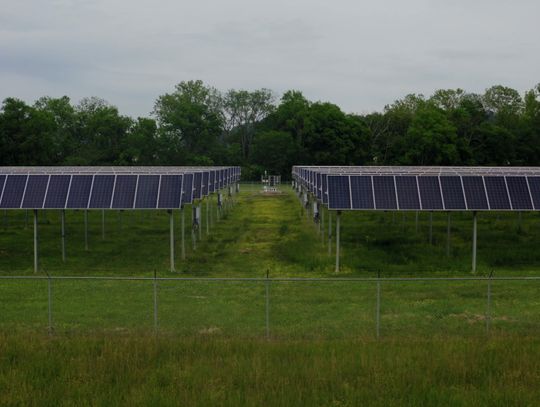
30	188
384	192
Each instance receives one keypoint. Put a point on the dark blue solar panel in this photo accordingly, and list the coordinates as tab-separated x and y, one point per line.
325	188
497	193
197	181
385	192
147	192
13	191
102	192
187	189
124	191
534	185
211	182
519	192
2	182
452	192
475	192
339	193
407	191
57	192
36	188
205	178
362	192
319	186
220	179
170	192
79	192
430	193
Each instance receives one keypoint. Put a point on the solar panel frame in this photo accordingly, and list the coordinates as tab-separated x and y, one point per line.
518	190
187	189
79	192
407	192
170	193
361	192
339	192
384	189
36	188
14	189
475	192
102	192
534	187
125	188
146	195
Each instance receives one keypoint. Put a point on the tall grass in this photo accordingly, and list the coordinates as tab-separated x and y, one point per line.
101	370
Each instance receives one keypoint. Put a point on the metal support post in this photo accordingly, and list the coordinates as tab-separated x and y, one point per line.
431	228
329	233
171	227
103	224
448	230
474	242
207	216
49	303
267	288
378	308
322	226
488	308
36	259
183	219
155	304
338	226
86	230
63	222
199	213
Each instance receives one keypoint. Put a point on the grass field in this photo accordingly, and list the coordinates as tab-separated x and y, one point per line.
433	348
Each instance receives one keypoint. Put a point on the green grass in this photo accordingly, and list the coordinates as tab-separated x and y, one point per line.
210	348
105	371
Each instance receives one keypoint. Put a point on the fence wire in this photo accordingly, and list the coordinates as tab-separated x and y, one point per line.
272	307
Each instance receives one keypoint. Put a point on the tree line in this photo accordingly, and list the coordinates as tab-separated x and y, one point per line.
197	124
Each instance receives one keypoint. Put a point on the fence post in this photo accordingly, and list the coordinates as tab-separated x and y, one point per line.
267	284
49	307
155	304
378	306
488	308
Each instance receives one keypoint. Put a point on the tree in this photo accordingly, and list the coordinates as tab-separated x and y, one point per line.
190	122
142	146
25	135
243	110
431	139
274	151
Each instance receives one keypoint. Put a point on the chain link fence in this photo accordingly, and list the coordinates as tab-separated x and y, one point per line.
273	307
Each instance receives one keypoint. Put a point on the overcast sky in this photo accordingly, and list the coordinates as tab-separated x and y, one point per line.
358	54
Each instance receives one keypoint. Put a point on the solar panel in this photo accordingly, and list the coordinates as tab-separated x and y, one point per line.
57	192
187	189
407	192
36	188
430	193
319	186
325	188
102	192
534	186
519	192
475	193
197	182
361	192
339	192
2	183
147	192
170	192
124	191
452	193
497	193
13	191
211	181
79	192
205	178
385	192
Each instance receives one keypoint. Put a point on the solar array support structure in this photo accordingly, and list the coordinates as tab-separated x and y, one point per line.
110	188
420	189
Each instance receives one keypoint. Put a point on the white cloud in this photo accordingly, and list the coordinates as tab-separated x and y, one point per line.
358	54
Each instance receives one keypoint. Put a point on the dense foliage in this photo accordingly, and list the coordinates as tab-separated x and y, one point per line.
197	124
